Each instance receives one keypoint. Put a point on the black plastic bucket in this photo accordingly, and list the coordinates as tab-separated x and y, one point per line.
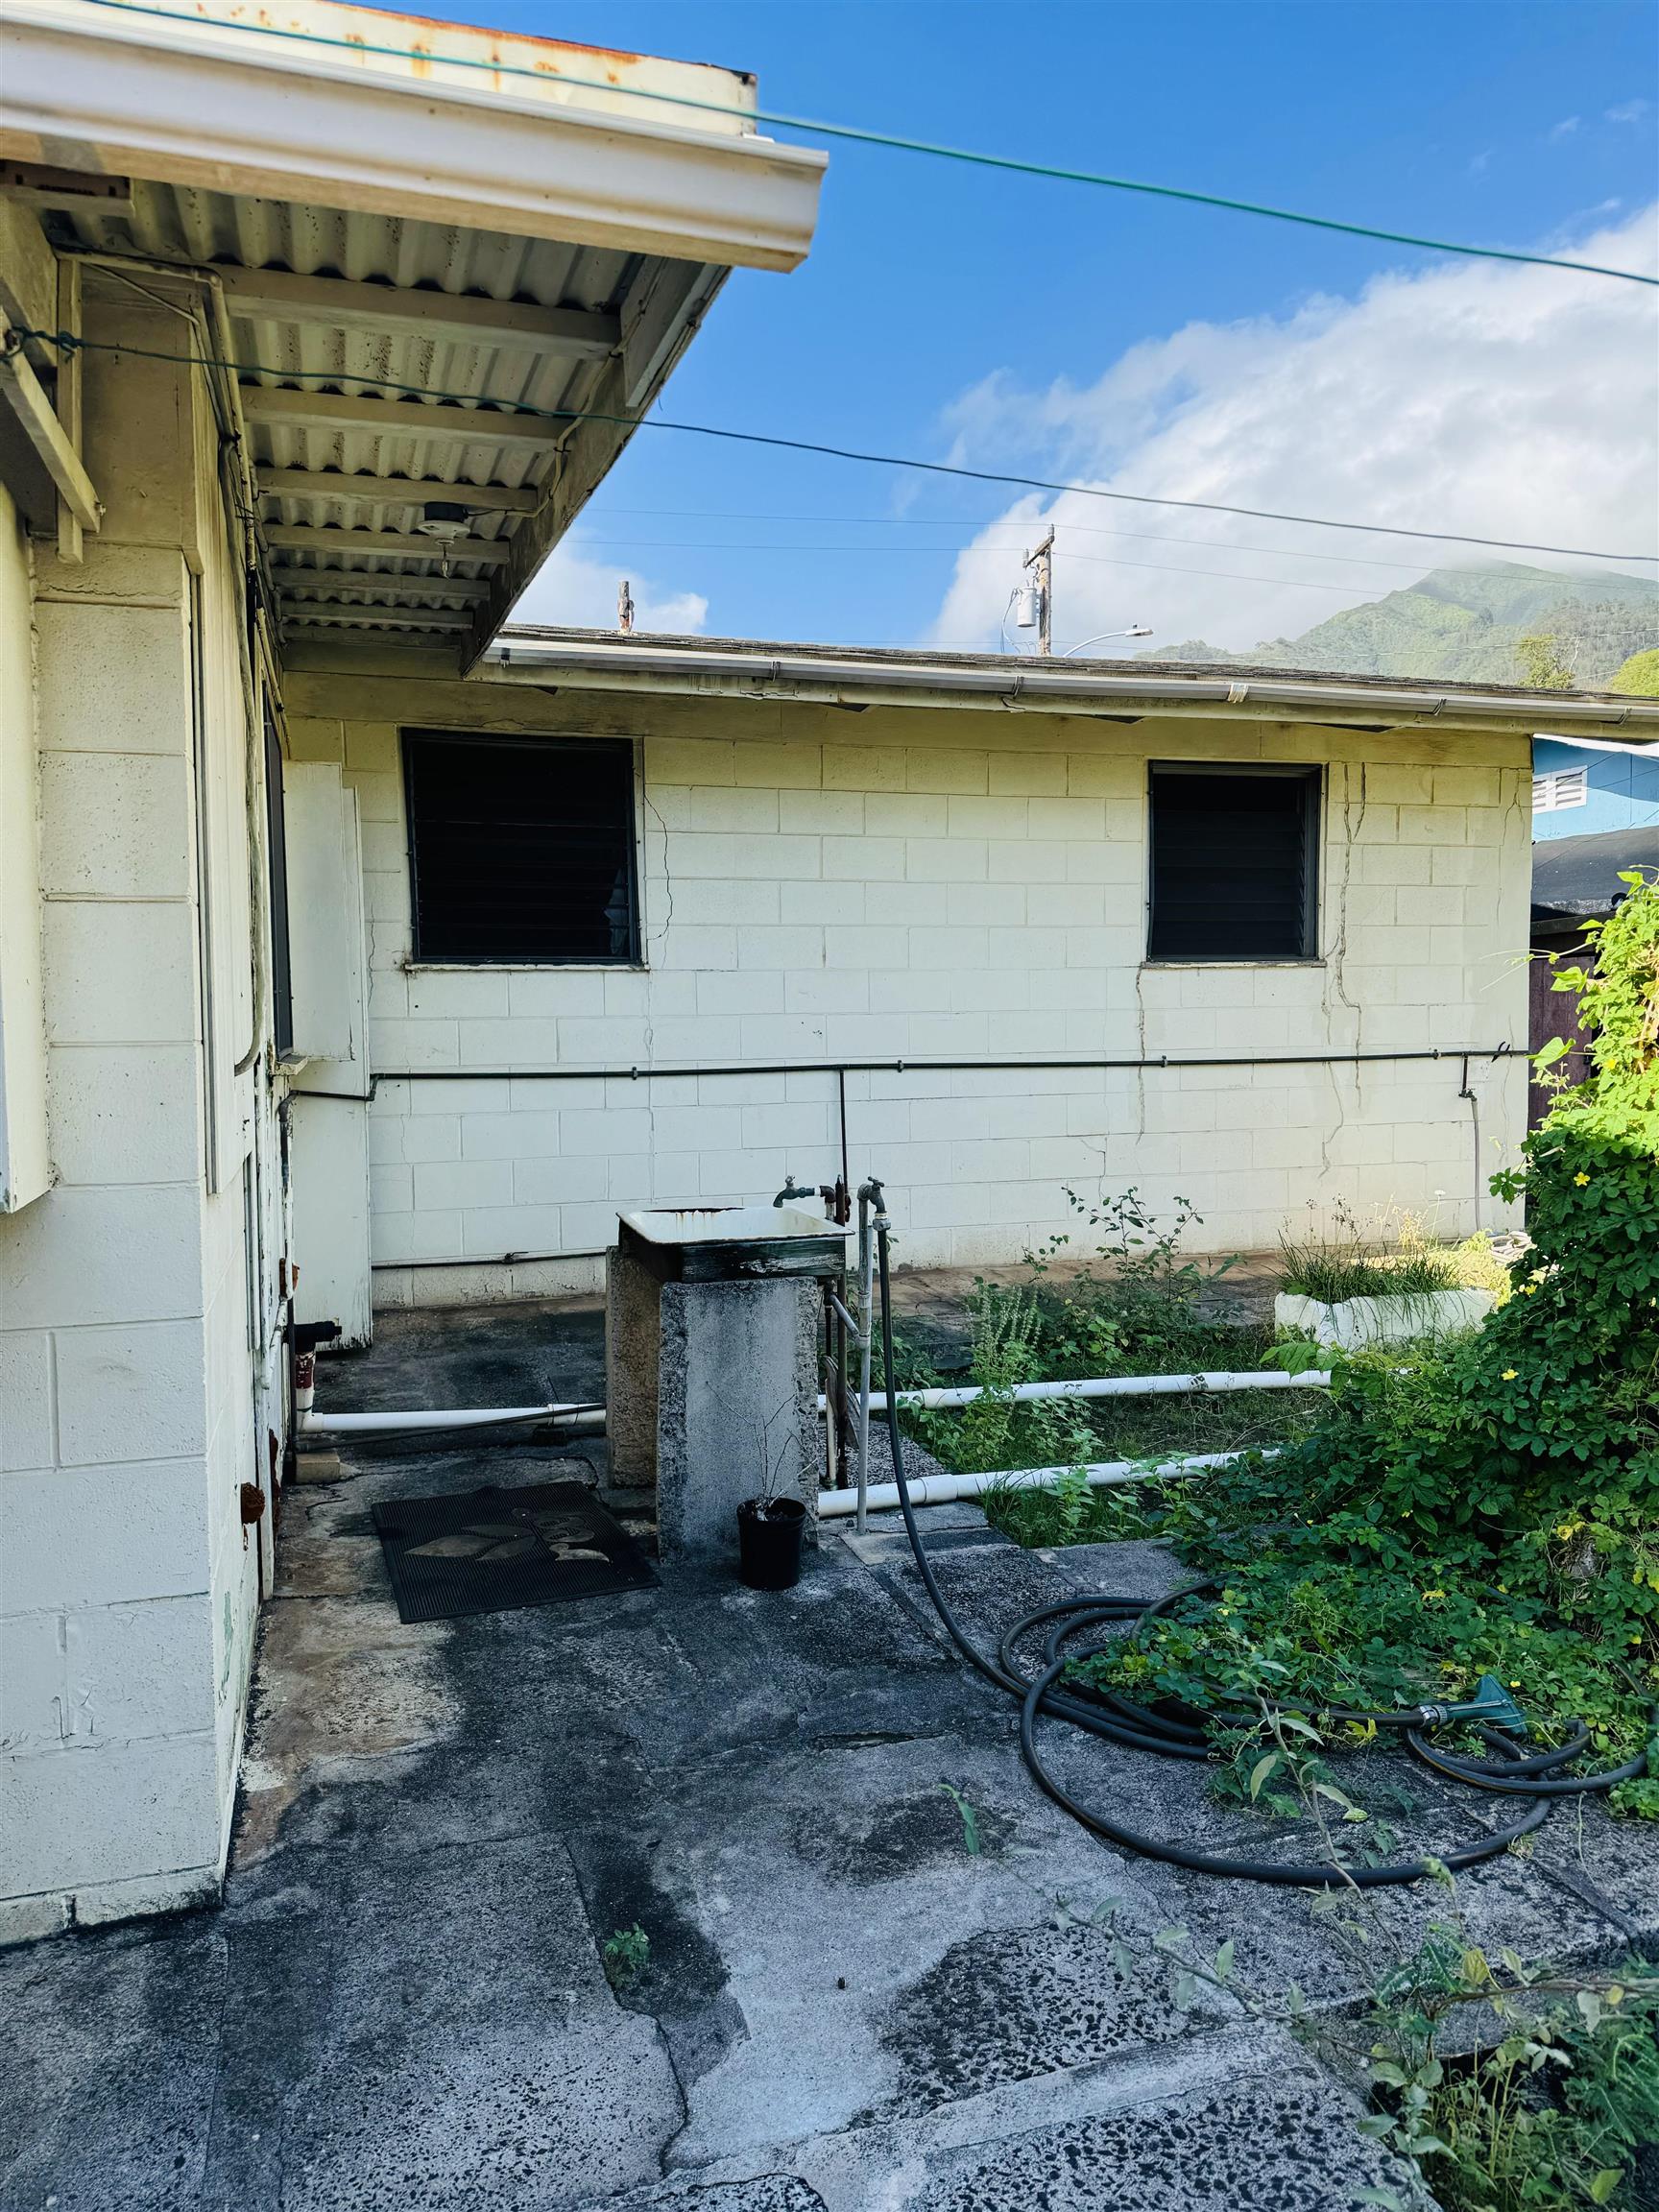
769	1537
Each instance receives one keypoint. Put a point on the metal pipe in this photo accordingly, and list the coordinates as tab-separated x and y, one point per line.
583	1419
1468	1092
945	1489
1108	1386
928	1066
868	1195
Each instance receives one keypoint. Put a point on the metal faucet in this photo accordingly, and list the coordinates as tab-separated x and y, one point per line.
793	1189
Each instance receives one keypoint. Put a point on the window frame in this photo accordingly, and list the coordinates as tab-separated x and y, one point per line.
1311	775
408	736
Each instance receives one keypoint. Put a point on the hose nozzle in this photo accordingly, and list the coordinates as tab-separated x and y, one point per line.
1491	1703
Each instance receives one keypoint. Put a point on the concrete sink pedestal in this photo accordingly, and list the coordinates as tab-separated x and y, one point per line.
712	1326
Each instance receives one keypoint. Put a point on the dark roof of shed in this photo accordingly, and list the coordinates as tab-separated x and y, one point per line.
1575	878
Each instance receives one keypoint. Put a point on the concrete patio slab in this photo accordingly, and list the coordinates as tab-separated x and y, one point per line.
402	2000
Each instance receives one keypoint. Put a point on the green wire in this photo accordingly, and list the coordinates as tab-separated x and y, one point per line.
484	405
863	137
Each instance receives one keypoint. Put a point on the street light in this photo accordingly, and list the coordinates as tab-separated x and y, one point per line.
1135	630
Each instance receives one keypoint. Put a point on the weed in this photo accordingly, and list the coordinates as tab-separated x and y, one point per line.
625	1954
971	1840
1547	2111
1135	1307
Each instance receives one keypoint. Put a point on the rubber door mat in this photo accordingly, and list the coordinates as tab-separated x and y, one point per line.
493	1551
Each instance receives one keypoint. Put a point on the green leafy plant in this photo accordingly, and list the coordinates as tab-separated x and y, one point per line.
1638	676
973	1843
1546	2111
625	1954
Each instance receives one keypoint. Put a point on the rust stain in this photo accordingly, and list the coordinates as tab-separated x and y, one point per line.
514	38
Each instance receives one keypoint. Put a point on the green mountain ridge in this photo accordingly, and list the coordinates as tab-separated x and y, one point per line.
1464	626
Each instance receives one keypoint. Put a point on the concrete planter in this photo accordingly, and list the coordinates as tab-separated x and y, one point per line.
1358	1321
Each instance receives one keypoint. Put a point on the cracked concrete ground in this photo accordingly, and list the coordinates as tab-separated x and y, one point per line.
402	2004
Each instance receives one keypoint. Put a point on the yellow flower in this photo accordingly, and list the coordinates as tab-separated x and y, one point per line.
1529	1290
1509	1374
1580	1179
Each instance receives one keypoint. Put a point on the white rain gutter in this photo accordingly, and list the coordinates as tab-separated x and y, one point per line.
214	107
1012	683
1104	1386
945	1489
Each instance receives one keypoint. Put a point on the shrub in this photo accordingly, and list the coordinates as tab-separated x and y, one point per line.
1492	1504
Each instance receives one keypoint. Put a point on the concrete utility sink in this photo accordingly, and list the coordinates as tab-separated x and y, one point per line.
715	1315
731	1243
701	1224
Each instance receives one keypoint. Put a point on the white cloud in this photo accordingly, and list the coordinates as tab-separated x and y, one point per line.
576	592
1629	112
1507	400
1565	129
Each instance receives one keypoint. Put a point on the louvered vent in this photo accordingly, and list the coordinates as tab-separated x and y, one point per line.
1235	861
1559	787
520	849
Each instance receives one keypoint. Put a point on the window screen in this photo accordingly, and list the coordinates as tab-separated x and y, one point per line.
1235	861
520	849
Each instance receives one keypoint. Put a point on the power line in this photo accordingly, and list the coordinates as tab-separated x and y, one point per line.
1087	529
892	142
485	403
583	542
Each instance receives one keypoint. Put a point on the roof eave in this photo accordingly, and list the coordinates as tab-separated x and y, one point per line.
187	105
776	671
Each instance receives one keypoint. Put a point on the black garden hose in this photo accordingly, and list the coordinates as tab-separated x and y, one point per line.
1106	1713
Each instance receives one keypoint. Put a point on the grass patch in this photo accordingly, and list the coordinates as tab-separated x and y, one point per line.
1399	1258
1345	1264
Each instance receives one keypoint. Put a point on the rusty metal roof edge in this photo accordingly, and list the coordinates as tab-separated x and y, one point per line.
602	659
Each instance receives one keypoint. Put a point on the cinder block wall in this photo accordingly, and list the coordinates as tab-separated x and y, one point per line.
913	882
126	1594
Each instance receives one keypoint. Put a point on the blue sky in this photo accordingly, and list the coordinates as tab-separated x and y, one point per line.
945	308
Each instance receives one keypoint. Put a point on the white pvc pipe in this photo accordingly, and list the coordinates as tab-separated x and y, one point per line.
945	1489
1108	1386
567	1416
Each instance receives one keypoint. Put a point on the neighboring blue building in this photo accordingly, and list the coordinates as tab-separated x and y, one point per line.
1581	790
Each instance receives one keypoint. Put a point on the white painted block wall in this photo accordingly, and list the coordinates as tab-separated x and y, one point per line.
126	1594
948	883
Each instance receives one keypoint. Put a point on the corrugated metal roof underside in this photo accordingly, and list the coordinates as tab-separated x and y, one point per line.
399	470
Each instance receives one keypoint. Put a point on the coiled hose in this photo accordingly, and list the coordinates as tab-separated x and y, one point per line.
1510	1772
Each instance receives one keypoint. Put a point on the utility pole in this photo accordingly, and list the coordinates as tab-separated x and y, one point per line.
1042	562
624	608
